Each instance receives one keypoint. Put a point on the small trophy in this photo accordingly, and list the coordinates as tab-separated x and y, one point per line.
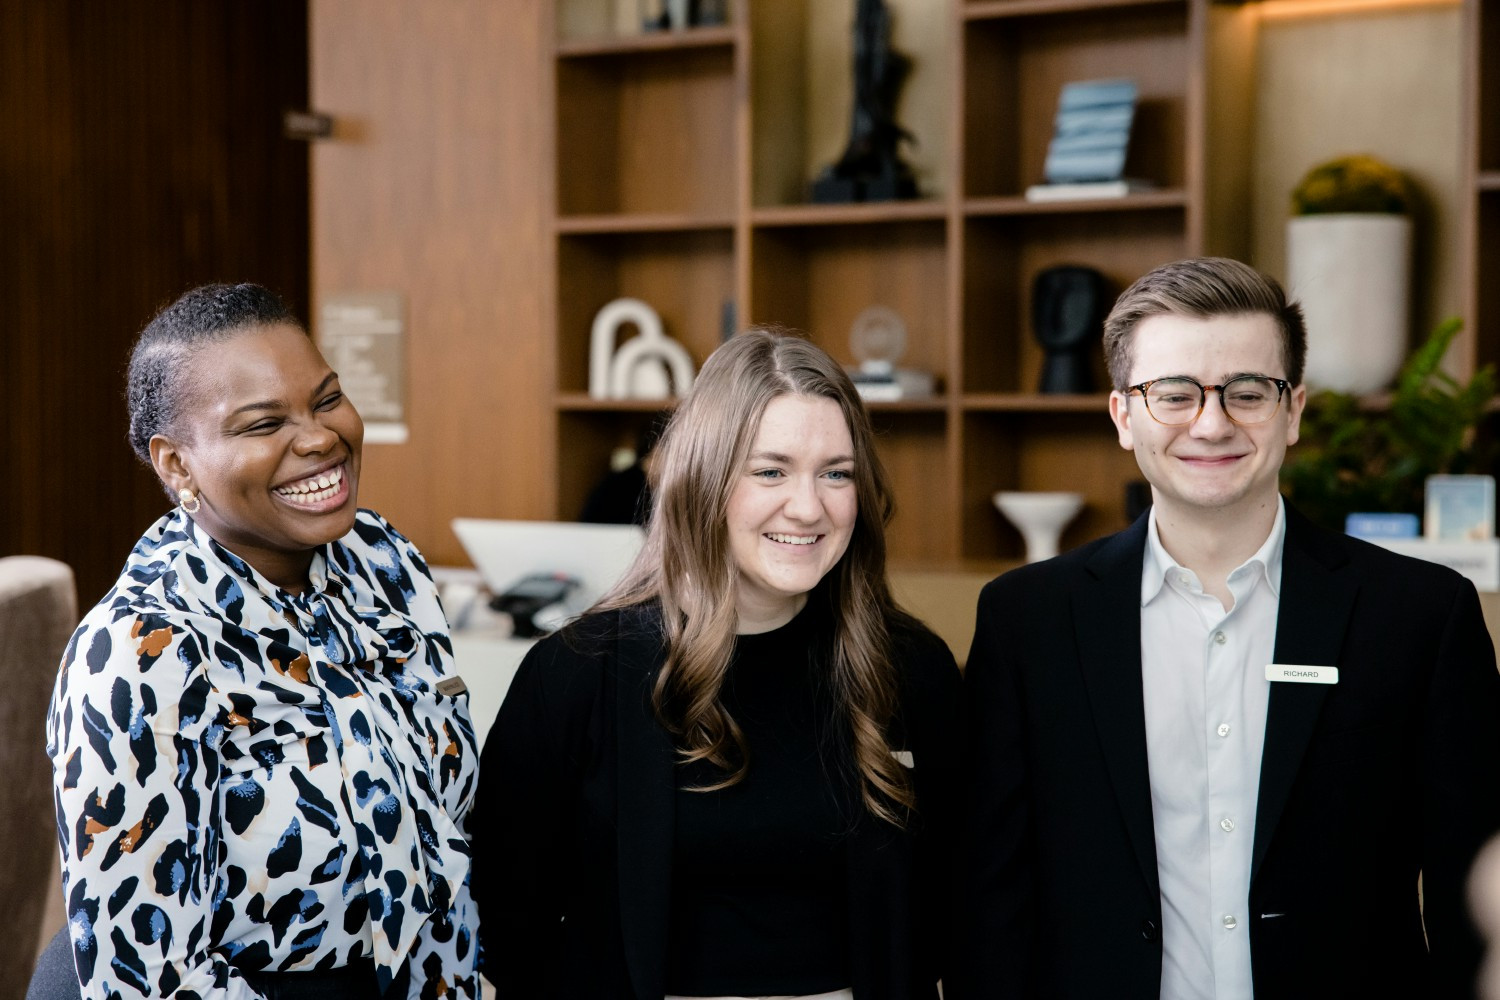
878	340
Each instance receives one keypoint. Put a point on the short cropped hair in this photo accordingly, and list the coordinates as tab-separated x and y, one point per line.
1202	288
155	387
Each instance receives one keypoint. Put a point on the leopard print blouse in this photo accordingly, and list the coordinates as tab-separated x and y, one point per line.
248	779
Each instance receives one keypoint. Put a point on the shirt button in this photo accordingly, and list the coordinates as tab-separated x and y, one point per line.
1229	922
1220	638
1223	729
1226	824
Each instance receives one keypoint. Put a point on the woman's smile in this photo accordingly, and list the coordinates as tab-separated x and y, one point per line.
797	540
319	492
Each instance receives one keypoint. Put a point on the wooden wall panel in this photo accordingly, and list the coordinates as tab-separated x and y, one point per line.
142	155
1385	81
434	186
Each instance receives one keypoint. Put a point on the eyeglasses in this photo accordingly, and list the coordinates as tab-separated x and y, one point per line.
1248	399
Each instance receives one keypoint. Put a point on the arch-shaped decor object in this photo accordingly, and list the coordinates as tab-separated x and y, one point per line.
646	368
606	329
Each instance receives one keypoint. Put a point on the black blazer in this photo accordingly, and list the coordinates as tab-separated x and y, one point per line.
1394	770
573	822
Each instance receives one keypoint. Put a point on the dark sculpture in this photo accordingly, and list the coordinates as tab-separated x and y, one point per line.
870	169
1068	305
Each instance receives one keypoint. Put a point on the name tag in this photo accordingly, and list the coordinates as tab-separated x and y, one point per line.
1296	673
451	686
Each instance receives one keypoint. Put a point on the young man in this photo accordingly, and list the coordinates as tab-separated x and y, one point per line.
1210	755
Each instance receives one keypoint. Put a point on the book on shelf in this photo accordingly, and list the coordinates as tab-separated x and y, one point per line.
1091	132
1081	190
893	386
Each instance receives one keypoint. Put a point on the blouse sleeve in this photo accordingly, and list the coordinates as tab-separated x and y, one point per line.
135	774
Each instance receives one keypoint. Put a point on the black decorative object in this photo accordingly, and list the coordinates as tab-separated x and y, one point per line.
1068	306
871	169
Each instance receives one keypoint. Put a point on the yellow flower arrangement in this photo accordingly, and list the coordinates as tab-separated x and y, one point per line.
1359	183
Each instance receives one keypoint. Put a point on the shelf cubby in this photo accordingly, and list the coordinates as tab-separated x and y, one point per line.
1073	452
1003	255
591	437
818	278
647	132
686	276
1015	68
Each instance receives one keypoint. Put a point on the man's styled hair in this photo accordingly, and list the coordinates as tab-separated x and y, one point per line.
1202	288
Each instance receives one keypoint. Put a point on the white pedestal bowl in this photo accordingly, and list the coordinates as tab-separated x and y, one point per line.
1040	517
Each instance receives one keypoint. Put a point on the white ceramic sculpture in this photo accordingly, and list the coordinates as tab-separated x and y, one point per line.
649	365
1040	517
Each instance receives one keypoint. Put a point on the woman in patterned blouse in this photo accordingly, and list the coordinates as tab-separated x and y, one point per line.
263	760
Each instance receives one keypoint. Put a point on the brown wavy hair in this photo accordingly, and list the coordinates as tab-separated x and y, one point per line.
686	565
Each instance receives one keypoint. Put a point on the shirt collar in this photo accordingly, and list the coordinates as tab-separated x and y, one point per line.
1267	559
317	573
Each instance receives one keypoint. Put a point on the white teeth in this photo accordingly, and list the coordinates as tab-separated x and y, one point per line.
792	539
314	488
311	498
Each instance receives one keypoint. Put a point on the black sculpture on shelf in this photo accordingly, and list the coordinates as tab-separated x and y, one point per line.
1068	306
871	169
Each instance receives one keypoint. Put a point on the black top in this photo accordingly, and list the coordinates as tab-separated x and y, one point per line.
758	898
575	824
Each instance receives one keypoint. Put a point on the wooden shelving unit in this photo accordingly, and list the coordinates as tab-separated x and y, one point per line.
1481	336
681	178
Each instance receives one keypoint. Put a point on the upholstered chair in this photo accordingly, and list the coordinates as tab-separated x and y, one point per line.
38	611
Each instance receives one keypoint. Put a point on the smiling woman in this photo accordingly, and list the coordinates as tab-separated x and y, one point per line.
736	771
263	763
268	445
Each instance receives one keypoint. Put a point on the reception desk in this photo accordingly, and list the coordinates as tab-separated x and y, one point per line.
943	597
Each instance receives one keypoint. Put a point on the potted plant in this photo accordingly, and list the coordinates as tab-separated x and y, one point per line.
1349	263
1352	458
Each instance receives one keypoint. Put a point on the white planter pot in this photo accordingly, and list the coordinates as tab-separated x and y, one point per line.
1352	274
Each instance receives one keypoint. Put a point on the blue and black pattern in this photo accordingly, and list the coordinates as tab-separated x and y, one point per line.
248	779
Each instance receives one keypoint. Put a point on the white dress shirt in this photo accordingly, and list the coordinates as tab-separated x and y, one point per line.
1203	677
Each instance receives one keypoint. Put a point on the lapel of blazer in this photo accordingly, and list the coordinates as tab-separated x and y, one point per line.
1107	623
1317	598
646	790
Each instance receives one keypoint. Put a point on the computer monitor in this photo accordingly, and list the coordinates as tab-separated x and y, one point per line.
505	552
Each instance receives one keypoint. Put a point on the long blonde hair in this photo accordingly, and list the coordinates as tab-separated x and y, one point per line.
686	564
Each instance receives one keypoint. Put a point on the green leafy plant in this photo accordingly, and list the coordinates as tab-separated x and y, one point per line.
1359	183
1354	458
